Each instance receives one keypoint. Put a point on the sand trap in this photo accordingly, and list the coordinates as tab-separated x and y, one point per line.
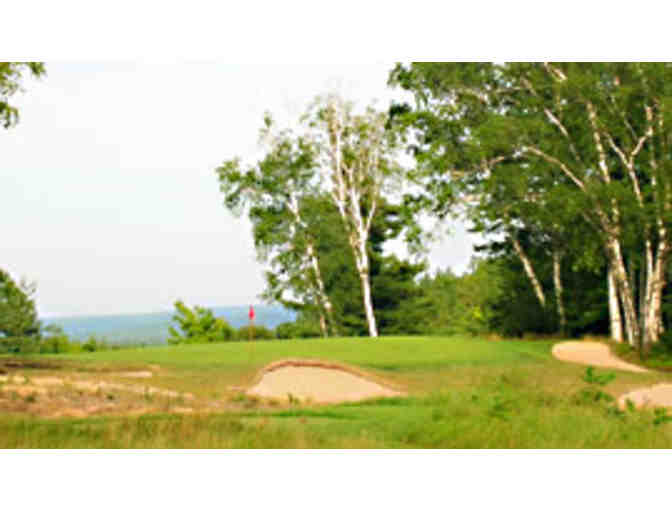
592	353
316	382
659	395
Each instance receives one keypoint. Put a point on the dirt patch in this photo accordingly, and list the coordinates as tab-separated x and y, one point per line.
12	364
72	395
317	382
97	386
592	353
659	395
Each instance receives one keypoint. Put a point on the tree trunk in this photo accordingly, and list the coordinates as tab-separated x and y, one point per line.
654	316
362	263
529	271
368	303
323	326
644	291
615	320
557	282
324	300
626	293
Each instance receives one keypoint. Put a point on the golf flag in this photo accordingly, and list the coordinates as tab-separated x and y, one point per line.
251	314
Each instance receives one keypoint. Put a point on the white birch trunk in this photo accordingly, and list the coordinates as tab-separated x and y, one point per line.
321	292
355	182
311	256
529	271
557	282
625	291
368	303
615	319
654	319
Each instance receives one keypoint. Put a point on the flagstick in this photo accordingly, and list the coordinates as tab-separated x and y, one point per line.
249	337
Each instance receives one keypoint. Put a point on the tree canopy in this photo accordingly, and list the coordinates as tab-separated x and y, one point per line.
544	146
11	80
18	314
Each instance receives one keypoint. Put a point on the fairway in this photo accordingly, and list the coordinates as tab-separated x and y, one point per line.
461	393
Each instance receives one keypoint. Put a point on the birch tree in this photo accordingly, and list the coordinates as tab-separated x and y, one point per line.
599	130
272	191
357	162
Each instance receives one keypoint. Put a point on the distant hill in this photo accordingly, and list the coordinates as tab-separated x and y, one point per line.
152	328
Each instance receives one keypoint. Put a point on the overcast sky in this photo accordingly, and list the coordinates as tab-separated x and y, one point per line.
109	197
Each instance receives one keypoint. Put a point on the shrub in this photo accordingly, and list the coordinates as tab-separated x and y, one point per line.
198	326
55	341
297	329
93	344
258	333
19	345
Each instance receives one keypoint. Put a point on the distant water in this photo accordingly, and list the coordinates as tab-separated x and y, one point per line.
152	328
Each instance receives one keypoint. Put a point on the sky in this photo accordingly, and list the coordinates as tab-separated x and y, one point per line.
109	196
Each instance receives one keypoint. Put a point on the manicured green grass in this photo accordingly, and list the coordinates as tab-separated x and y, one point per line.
463	393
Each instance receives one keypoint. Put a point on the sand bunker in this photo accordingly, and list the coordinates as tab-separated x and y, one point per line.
316	382
659	395
592	353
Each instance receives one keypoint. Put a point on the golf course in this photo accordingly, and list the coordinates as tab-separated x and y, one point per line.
471	255
455	392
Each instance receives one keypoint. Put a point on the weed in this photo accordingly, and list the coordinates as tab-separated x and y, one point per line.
32	398
600	380
438	414
660	416
500	408
245	399
615	412
629	405
592	394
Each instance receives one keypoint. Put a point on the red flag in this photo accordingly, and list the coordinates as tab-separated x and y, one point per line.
251	314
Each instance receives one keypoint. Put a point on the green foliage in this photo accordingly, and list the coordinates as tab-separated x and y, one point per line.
94	344
19	323
55	341
520	143
198	325
297	329
397	299
661	416
11	75
273	192
19	345
462	304
599	380
592	393
258	333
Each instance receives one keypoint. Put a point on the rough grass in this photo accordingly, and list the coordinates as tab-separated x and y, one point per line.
463	393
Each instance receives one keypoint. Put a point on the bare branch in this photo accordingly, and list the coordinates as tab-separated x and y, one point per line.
535	150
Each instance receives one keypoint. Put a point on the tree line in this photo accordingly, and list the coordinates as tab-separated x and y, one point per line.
563	167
